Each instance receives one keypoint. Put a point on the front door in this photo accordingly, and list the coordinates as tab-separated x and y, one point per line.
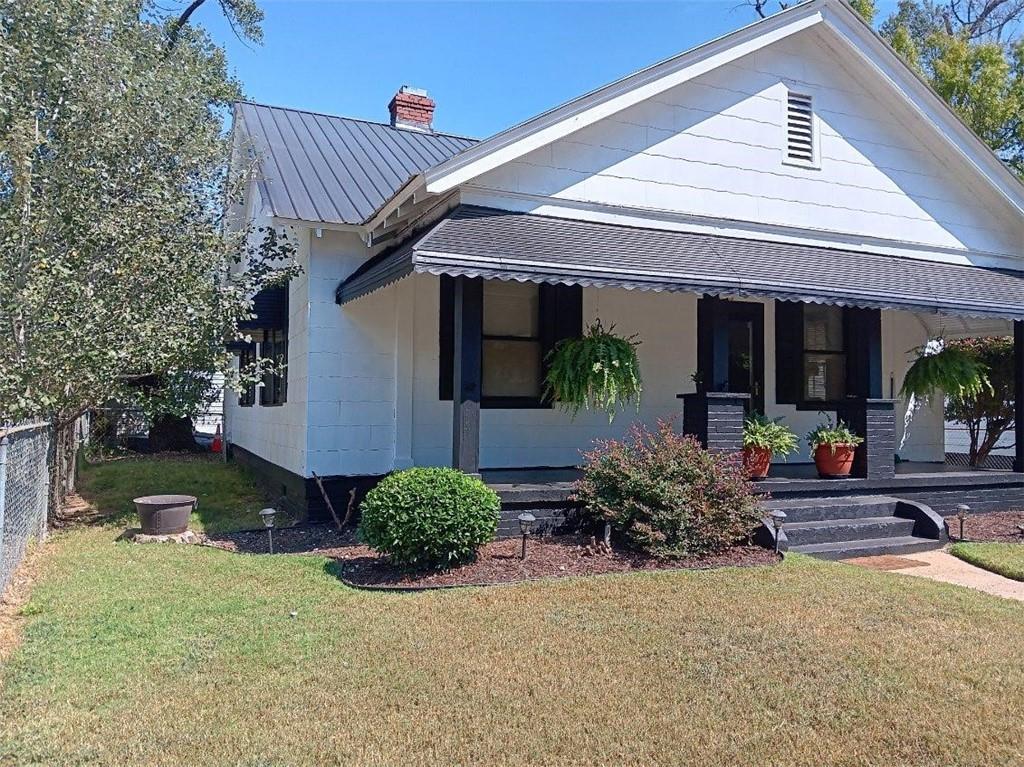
731	348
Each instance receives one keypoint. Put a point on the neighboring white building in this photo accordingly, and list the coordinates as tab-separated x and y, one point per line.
795	168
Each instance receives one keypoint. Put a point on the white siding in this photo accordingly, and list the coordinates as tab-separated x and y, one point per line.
715	147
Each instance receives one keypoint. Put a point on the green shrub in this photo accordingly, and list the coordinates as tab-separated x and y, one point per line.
431	517
668	496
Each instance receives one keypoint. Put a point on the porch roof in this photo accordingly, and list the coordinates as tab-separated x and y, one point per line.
496	244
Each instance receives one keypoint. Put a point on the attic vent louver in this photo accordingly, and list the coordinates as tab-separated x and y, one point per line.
800	130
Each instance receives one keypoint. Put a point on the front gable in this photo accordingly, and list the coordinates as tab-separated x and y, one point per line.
716	147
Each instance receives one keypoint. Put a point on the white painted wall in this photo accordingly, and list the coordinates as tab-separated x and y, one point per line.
666	323
278	433
714	147
365	378
352	356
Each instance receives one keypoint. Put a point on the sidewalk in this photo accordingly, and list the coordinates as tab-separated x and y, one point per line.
942	566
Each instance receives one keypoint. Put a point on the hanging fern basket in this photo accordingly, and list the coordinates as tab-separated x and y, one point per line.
947	369
599	371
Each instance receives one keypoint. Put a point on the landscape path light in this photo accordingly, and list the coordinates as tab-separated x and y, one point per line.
778	520
267	515
526	520
962	510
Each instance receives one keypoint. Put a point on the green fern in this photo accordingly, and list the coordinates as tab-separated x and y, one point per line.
599	371
951	370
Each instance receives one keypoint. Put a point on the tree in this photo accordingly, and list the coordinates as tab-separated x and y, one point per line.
971	52
988	413
114	187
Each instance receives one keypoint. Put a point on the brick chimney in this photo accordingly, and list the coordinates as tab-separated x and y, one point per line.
412	108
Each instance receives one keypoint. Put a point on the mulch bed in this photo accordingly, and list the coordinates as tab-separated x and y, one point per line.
997	526
497	562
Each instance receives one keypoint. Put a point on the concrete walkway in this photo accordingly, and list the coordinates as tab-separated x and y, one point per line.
940	565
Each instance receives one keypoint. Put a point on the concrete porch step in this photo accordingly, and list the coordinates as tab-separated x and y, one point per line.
836	530
907	544
799	510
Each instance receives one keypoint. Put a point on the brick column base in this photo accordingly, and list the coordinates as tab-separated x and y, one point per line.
716	419
875	421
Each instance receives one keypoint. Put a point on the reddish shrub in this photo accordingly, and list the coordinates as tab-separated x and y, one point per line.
666	495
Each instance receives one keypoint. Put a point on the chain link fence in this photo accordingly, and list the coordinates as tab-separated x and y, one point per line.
25	460
958	447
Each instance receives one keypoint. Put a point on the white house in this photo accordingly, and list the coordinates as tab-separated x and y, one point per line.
790	193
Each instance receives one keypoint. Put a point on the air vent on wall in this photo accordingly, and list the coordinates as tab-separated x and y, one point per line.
800	129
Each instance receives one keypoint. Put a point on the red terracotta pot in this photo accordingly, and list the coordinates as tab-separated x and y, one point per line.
834	460
757	461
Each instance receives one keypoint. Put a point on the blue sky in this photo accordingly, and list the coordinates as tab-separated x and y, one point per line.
488	65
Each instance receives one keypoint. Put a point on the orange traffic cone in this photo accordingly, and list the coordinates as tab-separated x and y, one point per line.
218	443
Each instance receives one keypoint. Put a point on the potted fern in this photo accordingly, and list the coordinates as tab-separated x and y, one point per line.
599	371
833	446
763	439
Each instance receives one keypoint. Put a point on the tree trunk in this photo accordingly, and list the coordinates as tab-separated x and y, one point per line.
168	432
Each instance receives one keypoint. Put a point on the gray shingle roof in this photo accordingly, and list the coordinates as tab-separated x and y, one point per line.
336	170
495	244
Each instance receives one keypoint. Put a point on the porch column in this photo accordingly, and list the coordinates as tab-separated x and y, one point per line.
468	310
1018	394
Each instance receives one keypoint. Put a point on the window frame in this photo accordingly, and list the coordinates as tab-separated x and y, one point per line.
792	369
844	353
274	391
561	316
512	402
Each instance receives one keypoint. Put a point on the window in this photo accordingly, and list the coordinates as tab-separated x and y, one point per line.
824	354
800	137
520	325
247	357
512	347
275	385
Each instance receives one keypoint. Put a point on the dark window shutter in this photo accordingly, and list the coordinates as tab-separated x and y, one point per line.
446	338
561	317
789	345
270	306
561	314
569	322
862	334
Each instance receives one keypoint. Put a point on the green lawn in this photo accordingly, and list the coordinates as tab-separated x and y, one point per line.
172	655
1006	559
228	497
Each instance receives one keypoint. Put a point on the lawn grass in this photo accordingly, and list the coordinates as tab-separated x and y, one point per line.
1006	559
172	655
228	497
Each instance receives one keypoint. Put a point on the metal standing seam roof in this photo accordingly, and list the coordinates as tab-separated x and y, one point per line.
495	244
336	170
